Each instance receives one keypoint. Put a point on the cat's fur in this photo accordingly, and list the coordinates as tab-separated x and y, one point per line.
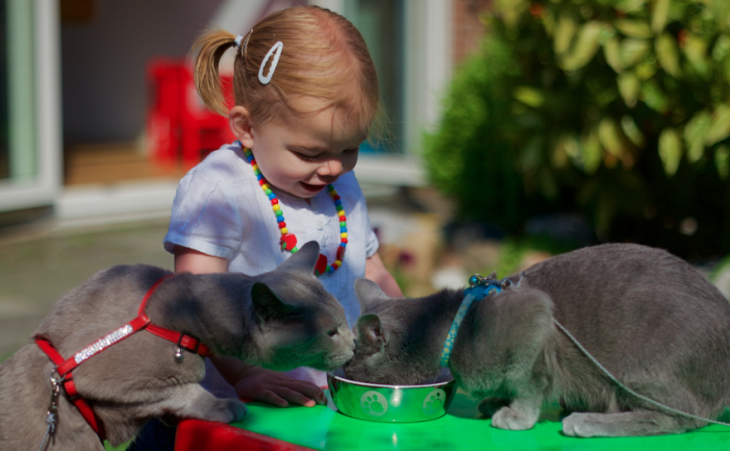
652	320
280	320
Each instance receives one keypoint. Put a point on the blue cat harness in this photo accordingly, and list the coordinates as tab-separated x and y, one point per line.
479	288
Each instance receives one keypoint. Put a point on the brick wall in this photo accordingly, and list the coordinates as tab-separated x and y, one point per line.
467	28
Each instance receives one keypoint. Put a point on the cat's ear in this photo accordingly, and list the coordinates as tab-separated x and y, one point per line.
303	260
368	293
267	306
370	334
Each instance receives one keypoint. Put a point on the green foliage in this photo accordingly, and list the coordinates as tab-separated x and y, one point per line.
512	253
617	109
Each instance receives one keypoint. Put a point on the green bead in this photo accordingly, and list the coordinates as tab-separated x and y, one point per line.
295	250
267	191
343	224
279	213
339	208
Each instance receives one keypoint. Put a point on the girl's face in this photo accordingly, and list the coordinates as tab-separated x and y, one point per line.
308	152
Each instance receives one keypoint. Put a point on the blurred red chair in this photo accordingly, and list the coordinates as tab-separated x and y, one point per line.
204	131
165	80
178	123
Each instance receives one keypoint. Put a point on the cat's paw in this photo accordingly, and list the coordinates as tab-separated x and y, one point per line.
582	425
507	418
228	411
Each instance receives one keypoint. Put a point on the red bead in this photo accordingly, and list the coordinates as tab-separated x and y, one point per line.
337	197
343	240
340	253
282	224
321	265
262	181
274	201
252	162
343	218
288	242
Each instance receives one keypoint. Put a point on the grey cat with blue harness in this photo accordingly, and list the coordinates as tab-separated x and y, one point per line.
631	340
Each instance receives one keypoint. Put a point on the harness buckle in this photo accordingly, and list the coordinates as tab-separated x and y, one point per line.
181	345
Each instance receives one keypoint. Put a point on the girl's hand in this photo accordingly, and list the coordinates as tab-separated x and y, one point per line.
260	384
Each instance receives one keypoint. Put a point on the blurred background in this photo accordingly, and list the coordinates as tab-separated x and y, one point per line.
517	130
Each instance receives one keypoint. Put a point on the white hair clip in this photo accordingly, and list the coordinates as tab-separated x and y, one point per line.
276	51
238	40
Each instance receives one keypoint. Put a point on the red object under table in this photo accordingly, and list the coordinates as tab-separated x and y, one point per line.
198	435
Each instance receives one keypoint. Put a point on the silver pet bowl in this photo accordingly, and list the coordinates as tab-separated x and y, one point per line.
391	403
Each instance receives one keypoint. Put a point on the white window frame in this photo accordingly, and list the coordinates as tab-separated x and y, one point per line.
43	188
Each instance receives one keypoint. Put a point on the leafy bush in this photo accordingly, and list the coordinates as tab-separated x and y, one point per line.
616	109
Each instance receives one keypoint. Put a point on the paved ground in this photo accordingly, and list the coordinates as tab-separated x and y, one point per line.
36	269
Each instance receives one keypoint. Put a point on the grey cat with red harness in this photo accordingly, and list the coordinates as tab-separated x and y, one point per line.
124	347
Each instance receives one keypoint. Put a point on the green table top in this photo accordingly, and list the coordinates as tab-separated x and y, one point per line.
321	428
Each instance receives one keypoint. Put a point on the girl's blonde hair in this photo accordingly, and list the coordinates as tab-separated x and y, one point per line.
324	56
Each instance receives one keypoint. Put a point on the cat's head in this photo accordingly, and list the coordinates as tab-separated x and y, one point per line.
298	323
380	333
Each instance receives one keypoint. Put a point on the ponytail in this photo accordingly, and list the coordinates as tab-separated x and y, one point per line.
211	46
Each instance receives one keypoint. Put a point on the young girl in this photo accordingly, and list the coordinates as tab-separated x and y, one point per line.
306	93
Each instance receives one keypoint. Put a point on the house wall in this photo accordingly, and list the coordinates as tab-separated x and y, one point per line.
104	60
468	30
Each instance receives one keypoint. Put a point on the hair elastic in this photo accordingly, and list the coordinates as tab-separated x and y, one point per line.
245	43
238	40
276	51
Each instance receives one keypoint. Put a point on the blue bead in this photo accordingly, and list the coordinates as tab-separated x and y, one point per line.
279	219
343	245
338	202
343	229
259	177
272	196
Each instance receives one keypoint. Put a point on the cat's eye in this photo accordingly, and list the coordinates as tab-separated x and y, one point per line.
332	332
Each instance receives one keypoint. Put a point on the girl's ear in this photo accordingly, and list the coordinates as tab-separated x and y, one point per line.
240	121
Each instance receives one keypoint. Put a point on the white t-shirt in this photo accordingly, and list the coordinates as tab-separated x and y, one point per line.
221	210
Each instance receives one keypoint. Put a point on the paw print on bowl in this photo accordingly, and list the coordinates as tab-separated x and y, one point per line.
374	403
434	402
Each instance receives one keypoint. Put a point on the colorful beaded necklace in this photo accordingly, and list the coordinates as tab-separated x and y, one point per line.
289	240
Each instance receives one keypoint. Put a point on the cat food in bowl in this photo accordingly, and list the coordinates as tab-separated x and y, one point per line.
391	403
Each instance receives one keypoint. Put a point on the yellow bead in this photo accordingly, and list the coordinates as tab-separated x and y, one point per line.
338	263
256	166
333	193
265	186
341	213
284	231
343	235
276	207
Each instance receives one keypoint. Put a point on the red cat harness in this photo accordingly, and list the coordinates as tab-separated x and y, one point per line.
141	322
